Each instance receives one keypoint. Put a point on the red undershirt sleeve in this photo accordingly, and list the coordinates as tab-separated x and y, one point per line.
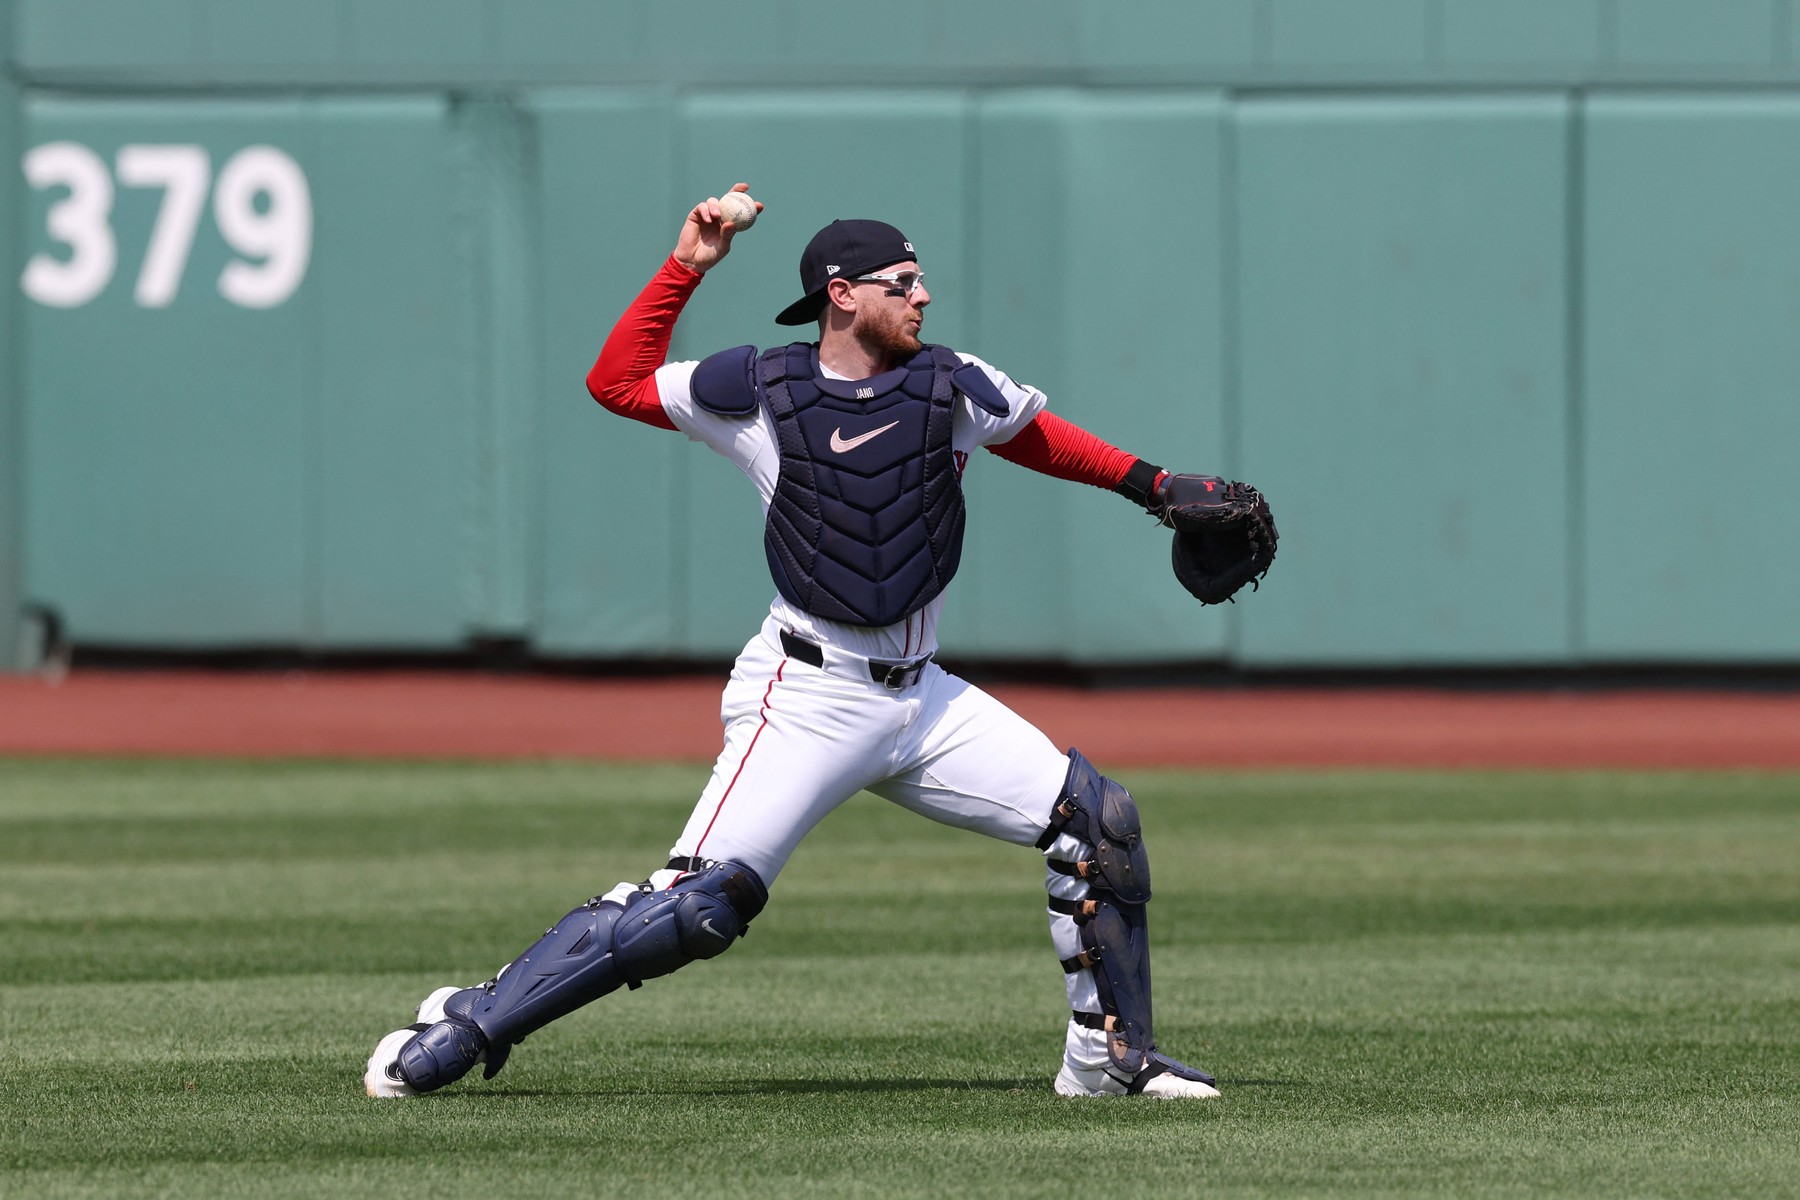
1053	446
623	378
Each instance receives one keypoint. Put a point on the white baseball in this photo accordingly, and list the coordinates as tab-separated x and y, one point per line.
738	208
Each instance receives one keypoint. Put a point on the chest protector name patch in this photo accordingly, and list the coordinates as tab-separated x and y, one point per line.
866	524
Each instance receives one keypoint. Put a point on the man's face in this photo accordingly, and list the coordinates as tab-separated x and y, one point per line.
888	315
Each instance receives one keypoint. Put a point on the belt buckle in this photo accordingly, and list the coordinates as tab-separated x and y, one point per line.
894	680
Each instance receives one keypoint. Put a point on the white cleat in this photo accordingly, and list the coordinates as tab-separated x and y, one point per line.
381	1077
1165	1085
431	1008
1070	1082
1174	1087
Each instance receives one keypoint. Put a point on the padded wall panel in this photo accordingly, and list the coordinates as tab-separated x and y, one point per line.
1481	33
497	198
614	510
1692	356
274	33
1390	33
773	43
811	157
1403	399
568	34
406	33
299	473
1682	33
168	447
993	36
820	35
1099	261
399	469
54	34
1169	33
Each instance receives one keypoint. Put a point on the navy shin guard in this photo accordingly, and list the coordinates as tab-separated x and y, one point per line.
595	949
1111	918
1117	942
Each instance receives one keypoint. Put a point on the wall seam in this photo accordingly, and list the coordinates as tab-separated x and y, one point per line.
508	381
537	497
312	500
970	634
479	583
12	372
1575	362
681	616
1231	332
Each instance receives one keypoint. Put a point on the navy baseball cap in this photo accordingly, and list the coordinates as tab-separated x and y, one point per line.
848	248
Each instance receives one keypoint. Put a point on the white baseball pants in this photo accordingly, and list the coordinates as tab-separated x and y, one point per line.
801	740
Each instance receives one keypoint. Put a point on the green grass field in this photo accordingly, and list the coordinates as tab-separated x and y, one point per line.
1408	985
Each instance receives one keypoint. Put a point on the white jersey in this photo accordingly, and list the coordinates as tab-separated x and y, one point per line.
749	443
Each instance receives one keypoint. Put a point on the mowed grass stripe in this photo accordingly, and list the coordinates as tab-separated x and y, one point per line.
1435	984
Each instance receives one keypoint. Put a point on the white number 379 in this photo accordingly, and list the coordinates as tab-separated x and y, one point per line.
274	237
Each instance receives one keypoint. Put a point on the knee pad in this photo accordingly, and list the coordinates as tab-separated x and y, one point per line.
1111	919
699	917
595	949
1101	813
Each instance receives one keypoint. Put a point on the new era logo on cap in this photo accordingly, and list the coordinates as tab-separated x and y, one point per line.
843	248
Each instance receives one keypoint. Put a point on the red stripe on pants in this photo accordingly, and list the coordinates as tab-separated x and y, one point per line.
746	759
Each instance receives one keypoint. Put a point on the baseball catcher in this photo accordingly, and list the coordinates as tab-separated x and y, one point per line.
855	442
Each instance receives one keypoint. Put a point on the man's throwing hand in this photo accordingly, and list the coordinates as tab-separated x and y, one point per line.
706	234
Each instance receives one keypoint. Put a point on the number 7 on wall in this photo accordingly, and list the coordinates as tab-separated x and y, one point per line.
278	236
184	173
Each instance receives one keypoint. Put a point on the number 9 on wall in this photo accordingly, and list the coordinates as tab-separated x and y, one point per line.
260	203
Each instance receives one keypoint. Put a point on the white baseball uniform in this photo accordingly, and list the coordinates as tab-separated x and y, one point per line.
801	740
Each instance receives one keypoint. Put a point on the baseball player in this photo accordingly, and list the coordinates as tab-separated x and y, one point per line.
856	444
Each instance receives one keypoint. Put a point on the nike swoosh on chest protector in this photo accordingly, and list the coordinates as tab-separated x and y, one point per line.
841	445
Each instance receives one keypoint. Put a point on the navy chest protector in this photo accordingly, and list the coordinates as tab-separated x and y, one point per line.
866	525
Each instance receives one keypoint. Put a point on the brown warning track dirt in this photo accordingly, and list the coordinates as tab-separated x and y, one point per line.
443	715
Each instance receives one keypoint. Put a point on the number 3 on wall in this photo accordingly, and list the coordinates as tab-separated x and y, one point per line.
275	238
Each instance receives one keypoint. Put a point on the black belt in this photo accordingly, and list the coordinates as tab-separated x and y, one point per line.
894	676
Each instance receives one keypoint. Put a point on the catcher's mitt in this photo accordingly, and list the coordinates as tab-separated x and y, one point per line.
1224	534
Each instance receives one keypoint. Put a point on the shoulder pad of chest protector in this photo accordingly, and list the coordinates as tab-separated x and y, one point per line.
974	383
725	383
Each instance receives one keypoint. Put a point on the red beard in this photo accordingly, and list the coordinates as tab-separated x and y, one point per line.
887	333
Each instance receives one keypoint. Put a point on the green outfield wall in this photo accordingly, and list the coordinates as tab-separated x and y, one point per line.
13	653
1498	300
